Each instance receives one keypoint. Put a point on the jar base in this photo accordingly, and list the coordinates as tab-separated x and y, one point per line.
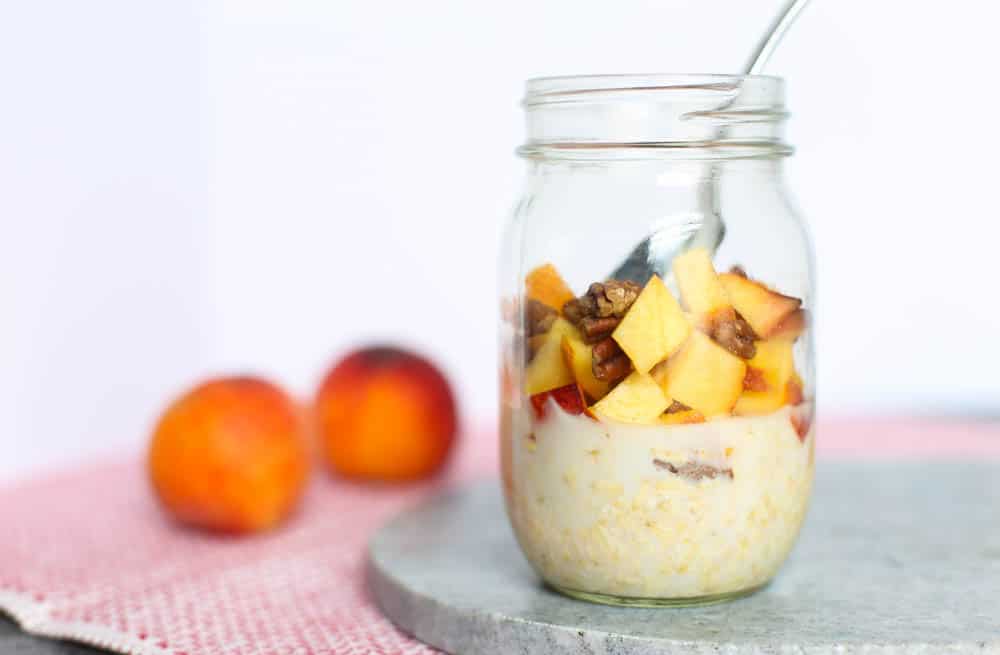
627	601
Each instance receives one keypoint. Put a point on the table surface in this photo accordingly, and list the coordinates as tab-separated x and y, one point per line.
15	642
895	557
882	441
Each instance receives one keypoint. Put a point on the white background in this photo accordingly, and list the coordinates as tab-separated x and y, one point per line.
191	188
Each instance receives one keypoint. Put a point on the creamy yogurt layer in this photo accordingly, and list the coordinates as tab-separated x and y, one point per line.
657	511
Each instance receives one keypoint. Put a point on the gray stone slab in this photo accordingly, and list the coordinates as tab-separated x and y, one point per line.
15	642
894	558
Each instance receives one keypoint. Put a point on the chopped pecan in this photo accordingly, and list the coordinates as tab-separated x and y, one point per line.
609	362
738	270
676	406
614	369
602	300
597	329
605	349
538	317
531	346
694	470
614	297
735	335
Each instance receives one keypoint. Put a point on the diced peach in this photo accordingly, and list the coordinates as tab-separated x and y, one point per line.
801	419
545	285
636	399
548	369
763	308
754	380
701	288
774	359
569	398
580	359
794	394
756	403
792	326
682	417
773	365
654	327
704	376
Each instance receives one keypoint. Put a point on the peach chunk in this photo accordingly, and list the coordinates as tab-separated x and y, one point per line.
545	285
636	399
794	394
569	398
548	369
682	417
654	327
773	366
763	308
704	376
792	326
580	358
701	290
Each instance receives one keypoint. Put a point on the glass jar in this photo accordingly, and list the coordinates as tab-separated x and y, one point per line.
657	376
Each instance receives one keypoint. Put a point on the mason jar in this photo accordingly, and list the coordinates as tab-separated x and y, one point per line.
656	366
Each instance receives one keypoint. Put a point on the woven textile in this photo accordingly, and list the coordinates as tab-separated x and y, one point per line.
87	555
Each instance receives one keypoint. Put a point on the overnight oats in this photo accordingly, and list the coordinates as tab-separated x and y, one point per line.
662	452
657	378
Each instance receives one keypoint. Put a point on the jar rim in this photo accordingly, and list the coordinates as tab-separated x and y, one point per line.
655	115
562	88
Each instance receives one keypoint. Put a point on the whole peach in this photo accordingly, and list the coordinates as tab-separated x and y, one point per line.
230	455
385	414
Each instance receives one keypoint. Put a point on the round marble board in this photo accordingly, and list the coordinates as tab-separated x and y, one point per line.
895	557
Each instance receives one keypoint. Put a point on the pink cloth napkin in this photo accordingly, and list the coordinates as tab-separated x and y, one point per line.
86	555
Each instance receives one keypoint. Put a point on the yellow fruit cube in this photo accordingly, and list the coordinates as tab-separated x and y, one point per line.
775	365
795	390
792	326
636	399
775	361
545	285
580	359
763	308
683	417
654	327
704	376
701	290
548	370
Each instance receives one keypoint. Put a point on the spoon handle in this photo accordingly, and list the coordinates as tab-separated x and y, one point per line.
772	37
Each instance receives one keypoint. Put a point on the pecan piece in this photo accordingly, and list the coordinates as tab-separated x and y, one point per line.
538	317
603	299
605	349
735	335
614	297
610	364
738	270
598	329
614	369
694	470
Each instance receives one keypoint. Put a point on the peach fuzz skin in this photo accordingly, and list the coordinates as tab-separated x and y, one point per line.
385	414
230	456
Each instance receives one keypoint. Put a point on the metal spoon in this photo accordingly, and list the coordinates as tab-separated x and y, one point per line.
653	255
